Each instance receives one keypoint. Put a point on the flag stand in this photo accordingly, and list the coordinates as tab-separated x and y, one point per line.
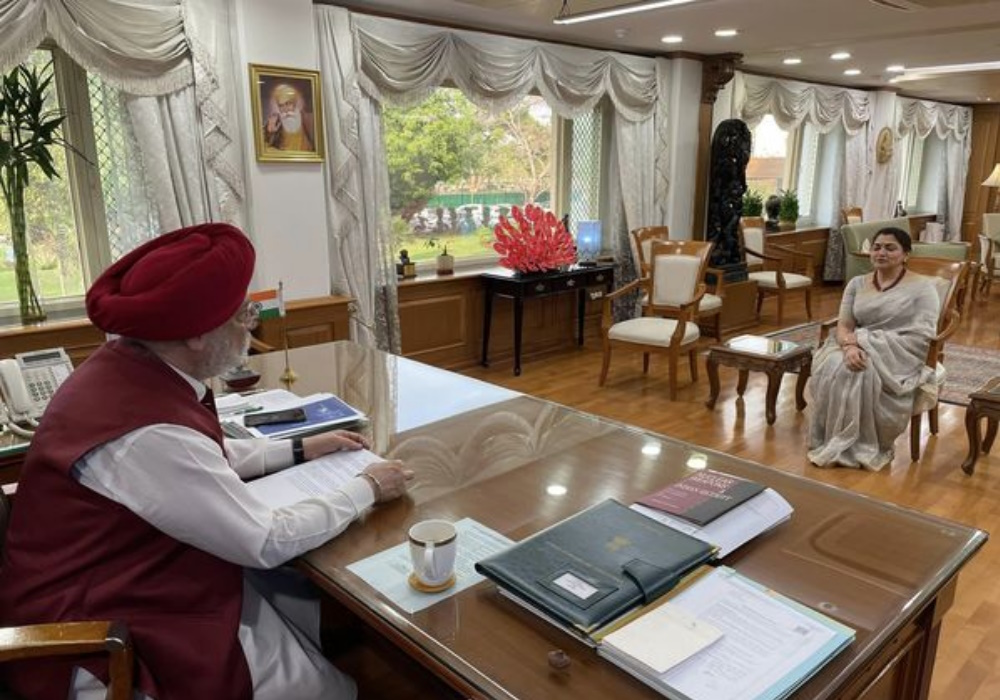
289	376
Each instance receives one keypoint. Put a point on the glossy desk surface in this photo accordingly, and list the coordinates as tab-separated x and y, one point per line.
485	452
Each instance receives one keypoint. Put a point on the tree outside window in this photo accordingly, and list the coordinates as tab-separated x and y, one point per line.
454	169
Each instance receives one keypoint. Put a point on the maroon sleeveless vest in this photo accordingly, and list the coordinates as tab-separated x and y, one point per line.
72	554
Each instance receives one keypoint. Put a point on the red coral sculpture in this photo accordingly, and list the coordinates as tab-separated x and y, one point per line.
533	240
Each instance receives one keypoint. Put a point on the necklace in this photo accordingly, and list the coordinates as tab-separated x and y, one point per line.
879	288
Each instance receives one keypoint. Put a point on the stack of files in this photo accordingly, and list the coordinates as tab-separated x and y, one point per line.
722	636
323	411
594	566
720	509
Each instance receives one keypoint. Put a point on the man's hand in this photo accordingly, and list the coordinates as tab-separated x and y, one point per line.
272	125
387	479
332	441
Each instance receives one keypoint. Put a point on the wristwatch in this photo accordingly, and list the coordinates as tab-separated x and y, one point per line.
298	451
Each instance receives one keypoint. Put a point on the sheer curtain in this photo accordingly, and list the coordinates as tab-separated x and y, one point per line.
826	108
953	125
367	61
174	61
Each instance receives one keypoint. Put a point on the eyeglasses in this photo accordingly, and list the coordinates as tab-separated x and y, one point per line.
249	315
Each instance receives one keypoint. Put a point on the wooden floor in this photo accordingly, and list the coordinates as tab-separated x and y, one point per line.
968	665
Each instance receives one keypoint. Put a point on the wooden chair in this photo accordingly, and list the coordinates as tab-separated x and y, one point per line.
642	242
68	638
674	289
778	271
711	304
852	215
952	274
986	268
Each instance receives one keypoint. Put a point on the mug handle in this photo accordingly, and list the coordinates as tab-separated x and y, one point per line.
429	571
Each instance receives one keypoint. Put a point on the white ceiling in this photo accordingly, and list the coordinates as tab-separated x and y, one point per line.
929	33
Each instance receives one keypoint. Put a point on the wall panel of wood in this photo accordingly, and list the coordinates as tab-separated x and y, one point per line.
983	158
441	323
309	322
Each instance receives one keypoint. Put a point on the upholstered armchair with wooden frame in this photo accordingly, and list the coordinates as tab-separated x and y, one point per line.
951	275
668	324
710	307
68	639
778	271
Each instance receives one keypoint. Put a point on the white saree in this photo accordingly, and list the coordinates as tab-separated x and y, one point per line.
857	416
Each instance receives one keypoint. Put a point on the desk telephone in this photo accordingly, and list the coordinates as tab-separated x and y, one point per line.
27	382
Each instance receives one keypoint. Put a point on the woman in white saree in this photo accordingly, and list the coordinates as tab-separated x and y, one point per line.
864	377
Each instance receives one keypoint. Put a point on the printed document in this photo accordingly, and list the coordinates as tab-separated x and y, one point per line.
316	477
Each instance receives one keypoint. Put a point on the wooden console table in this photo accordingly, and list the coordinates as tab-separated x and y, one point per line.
507	283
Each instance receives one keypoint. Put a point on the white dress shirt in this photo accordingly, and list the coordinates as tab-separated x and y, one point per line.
181	482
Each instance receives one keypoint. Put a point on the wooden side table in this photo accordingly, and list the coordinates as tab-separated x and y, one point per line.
983	403
756	353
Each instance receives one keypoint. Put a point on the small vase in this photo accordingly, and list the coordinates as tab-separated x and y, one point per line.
446	264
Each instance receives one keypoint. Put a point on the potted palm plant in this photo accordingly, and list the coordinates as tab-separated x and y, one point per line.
28	131
753	203
788	214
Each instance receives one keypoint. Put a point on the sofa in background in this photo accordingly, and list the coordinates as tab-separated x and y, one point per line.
855	235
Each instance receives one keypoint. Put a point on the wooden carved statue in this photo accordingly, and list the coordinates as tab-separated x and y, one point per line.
727	183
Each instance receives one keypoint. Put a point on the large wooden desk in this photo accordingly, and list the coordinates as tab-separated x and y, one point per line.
483	452
520	287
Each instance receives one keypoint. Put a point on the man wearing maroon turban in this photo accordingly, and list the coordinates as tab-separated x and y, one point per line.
131	504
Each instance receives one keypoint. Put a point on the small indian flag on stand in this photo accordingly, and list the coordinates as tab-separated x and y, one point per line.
269	303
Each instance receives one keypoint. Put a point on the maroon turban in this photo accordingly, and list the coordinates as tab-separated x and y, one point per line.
177	286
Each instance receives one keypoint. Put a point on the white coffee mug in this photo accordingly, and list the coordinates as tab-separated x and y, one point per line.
433	544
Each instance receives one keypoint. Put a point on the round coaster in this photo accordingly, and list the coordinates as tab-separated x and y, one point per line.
417	585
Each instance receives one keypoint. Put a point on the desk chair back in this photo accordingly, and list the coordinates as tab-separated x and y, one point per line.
67	638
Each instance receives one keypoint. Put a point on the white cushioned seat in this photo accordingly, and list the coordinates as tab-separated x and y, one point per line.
769	279
710	302
651	330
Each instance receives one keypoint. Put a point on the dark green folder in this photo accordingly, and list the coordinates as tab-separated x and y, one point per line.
596	565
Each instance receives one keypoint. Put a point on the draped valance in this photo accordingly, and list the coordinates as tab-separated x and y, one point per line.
922	117
792	102
139	47
403	62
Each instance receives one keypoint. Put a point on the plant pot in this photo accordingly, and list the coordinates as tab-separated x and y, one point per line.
445	264
786	225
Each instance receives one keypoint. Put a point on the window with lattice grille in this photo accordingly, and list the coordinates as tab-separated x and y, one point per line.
96	210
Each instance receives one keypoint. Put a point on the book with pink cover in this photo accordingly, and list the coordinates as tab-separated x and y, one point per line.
703	496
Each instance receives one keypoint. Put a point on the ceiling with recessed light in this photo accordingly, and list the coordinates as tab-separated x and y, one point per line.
876	33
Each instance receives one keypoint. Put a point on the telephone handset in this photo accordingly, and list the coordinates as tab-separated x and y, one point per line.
27	382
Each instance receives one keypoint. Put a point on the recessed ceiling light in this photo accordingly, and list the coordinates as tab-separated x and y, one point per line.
672	39
852	71
726	32
840	56
793	61
895	68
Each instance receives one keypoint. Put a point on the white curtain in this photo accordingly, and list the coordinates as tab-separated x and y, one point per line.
154	50
357	183
826	108
953	125
792	102
367	61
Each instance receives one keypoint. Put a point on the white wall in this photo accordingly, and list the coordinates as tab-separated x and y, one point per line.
685	105
286	203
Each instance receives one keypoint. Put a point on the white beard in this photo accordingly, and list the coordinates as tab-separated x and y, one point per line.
291	122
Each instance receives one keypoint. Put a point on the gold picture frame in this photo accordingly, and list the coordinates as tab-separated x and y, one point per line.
287	114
